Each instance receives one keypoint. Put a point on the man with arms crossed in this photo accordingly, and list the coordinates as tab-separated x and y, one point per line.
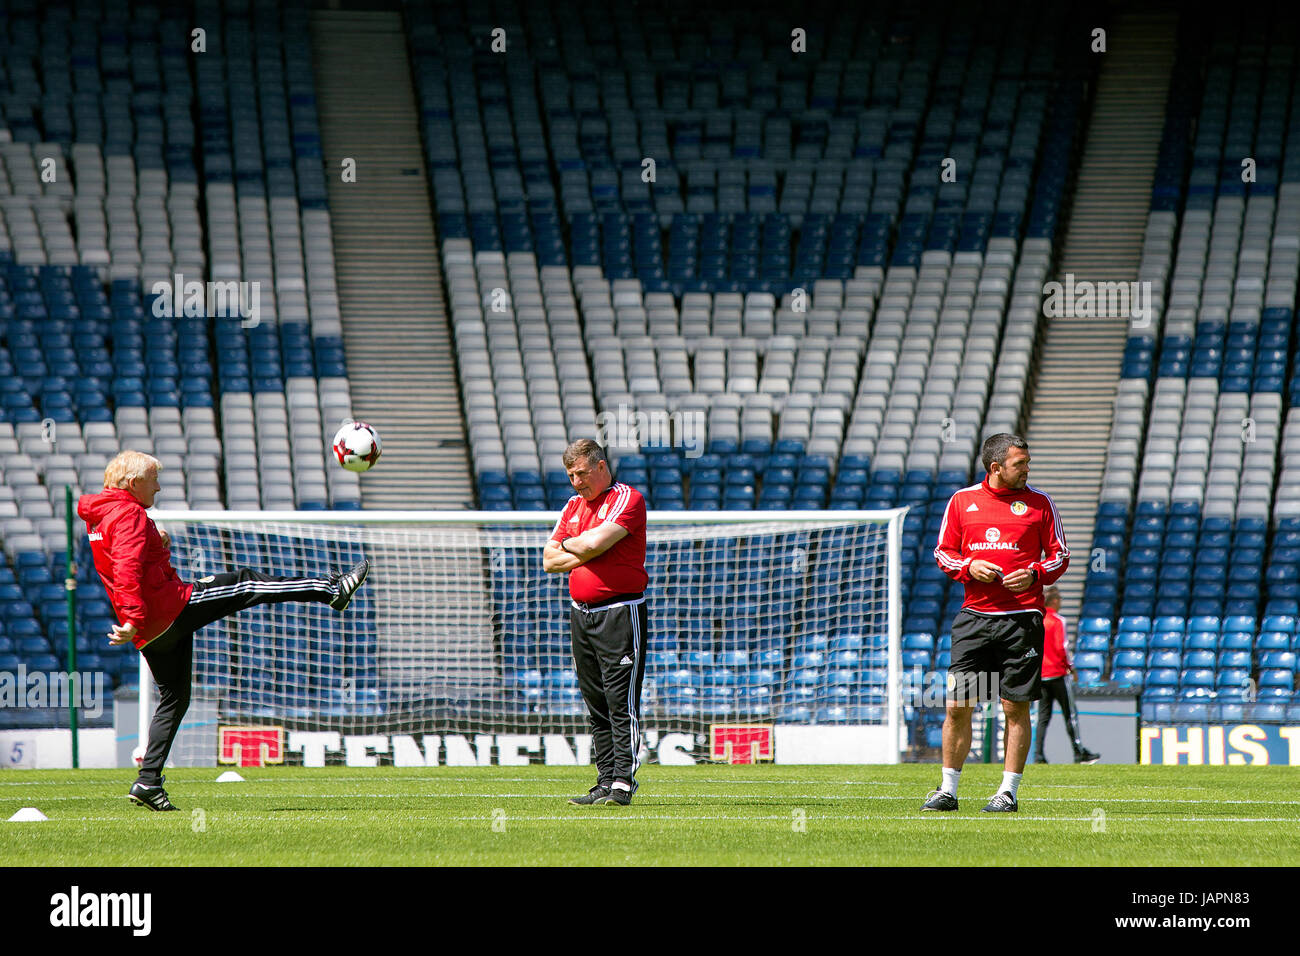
599	542
1004	541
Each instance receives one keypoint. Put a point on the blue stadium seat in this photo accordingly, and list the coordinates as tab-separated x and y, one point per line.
1277	678
1161	677
1285	623
1233	677
1167	658
1130	659
1239	622
1164	625
1128	677
1093	642
1236	640
1131	640
1197	677
848	641
916	659
1273	641
1233	658
1095	625
1166	641
1272	659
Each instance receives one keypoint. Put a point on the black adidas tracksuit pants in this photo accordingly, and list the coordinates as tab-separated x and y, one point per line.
171	653
1054	689
609	643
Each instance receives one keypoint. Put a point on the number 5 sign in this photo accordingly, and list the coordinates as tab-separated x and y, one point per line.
18	752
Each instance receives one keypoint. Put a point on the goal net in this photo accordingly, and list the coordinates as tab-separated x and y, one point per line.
763	627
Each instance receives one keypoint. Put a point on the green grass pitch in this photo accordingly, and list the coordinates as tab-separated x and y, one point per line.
705	815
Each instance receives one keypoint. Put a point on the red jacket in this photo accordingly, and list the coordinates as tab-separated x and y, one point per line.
135	567
1008	527
1056	653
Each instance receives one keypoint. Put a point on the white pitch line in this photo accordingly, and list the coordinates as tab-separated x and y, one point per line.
813	818
631	815
328	779
1093	786
759	796
809	798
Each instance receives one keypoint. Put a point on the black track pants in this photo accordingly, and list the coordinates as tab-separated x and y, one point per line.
609	647
1054	689
171	654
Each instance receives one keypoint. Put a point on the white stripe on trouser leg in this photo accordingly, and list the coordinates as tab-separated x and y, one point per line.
263	587
258	588
281	584
631	690
297	584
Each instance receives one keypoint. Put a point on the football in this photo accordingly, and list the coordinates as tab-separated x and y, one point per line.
357	446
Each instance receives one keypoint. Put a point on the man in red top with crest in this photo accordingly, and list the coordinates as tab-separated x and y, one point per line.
1004	541
599	542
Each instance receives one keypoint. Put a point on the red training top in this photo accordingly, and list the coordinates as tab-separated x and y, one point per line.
1009	527
136	568
1056	654
621	569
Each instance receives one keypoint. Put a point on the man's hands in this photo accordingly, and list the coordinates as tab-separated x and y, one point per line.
166	538
1018	581
581	548
1015	582
555	560
121	634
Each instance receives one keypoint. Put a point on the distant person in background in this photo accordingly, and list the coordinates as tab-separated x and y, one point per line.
159	612
1056	665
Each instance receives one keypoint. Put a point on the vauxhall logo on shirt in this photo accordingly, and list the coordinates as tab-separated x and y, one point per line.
993	542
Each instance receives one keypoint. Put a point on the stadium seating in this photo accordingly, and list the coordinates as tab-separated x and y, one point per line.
222	168
787	308
1195	515
800	287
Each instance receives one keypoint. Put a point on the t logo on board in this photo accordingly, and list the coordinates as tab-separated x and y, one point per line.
250	746
740	743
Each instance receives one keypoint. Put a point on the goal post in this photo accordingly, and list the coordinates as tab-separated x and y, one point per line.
772	636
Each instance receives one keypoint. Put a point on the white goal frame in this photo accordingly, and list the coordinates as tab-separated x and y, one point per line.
893	517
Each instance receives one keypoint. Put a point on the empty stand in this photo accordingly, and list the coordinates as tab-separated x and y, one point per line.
1067	424
401	372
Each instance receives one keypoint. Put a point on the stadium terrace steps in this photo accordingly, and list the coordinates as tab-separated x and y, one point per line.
1113	191
398	346
1073	401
